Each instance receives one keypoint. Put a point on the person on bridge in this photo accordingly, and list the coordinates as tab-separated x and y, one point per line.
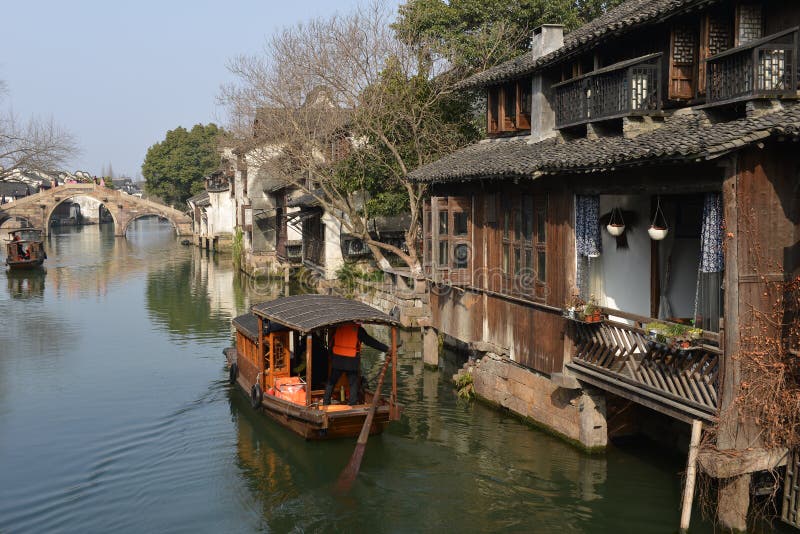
346	358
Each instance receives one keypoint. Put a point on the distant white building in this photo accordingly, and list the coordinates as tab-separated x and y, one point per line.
213	213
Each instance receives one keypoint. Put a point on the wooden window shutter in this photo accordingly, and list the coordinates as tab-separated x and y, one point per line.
749	23
524	102
493	110
683	62
716	35
509	118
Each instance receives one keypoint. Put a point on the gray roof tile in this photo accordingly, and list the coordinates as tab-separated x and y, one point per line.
622	18
681	137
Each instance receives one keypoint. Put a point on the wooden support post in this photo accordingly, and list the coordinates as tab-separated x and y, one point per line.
308	369
691	473
261	353
394	370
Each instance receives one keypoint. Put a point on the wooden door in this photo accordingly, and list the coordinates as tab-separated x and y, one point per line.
683	62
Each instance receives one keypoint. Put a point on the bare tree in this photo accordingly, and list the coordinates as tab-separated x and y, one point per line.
32	145
348	77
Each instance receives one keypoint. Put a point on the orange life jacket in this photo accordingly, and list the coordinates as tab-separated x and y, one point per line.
345	340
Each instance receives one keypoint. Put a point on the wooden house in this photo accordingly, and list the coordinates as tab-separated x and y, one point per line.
676	114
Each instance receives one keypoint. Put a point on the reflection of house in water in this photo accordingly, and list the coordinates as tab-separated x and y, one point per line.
215	280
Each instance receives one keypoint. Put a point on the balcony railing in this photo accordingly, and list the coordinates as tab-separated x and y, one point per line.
217	184
766	68
632	87
620	358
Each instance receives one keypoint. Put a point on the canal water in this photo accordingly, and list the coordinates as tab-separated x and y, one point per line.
116	416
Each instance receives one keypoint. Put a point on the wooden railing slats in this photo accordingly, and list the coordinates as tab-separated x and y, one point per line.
623	350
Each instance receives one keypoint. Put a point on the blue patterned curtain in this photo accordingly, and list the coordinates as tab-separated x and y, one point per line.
587	225
711	257
708	296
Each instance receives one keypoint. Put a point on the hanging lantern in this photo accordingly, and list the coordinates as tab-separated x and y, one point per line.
616	226
658	228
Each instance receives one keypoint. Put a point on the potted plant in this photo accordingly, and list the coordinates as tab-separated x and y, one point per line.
591	311
575	307
695	333
655	331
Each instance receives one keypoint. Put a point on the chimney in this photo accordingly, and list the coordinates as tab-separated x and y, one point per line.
546	38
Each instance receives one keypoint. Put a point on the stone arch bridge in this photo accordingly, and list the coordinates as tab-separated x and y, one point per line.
124	209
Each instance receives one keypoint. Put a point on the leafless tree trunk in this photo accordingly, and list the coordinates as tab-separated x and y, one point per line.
32	145
347	79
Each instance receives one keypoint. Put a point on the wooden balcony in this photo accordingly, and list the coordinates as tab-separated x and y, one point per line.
632	87
766	68
217	184
620	358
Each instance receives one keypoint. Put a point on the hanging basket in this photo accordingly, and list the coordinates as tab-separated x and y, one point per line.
616	226
658	228
616	229
656	233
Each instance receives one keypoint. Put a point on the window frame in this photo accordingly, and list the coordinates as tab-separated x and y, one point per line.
499	120
444	234
522	243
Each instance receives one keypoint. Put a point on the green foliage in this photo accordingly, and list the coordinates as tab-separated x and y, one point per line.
464	386
174	168
349	275
237	247
476	34
417	121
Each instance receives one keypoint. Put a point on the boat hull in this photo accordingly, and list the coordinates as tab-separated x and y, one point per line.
315	422
25	264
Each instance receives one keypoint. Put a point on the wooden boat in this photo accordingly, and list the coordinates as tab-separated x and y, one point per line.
25	249
284	381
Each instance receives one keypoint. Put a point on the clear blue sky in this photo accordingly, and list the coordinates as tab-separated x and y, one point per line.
118	75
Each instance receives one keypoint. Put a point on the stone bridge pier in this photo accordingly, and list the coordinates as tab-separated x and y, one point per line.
124	209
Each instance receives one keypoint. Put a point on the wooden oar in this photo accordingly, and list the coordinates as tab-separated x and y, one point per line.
350	472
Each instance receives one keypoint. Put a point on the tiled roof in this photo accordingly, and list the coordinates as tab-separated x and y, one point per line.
682	137
618	20
200	199
309	312
14	189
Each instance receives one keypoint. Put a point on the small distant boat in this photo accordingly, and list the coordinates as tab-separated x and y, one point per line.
274	364
25	249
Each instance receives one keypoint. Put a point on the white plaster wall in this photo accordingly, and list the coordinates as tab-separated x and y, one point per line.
90	208
626	272
220	213
293	232
333	245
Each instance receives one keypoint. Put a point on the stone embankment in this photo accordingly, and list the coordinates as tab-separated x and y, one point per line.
575	414
406	298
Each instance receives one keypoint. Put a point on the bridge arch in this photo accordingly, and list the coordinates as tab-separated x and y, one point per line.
123	208
143	215
67	198
4	218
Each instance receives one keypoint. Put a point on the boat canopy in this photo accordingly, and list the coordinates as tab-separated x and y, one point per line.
26	234
306	313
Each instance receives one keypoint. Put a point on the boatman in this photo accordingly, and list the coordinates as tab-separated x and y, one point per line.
346	357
